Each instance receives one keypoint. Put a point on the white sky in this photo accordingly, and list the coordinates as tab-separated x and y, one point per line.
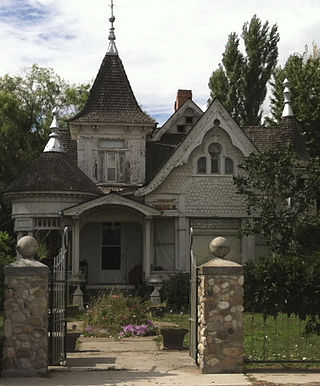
164	44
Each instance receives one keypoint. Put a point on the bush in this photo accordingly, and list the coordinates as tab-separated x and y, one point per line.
176	292
6	257
285	284
109	313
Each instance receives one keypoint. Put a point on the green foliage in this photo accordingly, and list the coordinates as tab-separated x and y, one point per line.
26	103
303	72
280	197
109	313
240	82
285	284
6	257
175	291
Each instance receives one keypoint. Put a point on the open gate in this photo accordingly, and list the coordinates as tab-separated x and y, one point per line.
193	350
58	305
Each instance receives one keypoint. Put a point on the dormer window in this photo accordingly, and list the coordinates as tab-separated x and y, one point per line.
189	120
215	162
180	128
111	160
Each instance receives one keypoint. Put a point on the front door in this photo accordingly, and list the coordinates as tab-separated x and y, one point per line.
111	253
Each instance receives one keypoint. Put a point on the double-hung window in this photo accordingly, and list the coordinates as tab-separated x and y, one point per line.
111	160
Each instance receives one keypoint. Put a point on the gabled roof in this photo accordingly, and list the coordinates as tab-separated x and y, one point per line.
53	172
157	134
194	138
111	99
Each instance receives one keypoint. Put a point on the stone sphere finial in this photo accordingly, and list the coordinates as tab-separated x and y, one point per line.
27	246
219	247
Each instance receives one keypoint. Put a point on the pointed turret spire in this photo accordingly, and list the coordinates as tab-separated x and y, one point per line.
54	144
112	49
287	111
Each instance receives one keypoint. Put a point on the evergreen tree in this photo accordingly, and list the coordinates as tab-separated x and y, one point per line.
240	82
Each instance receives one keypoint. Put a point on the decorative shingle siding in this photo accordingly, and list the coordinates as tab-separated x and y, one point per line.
204	195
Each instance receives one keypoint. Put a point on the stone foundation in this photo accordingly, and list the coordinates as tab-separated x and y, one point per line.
25	350
220	317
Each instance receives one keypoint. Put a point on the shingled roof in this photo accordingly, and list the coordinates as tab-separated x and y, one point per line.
111	98
53	172
265	137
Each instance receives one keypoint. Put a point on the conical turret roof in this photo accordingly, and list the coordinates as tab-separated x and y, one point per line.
111	98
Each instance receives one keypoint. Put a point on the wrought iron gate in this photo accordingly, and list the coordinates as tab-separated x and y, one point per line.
58	305
193	350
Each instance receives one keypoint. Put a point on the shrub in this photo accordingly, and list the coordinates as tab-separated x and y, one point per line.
176	291
109	313
285	284
6	257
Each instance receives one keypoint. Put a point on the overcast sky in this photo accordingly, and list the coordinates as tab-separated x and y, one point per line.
164	44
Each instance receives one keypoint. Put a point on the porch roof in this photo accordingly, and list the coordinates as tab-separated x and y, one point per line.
110	199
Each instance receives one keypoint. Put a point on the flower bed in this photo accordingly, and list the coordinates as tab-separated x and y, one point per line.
118	315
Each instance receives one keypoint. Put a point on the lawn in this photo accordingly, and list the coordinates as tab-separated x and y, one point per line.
270	340
280	339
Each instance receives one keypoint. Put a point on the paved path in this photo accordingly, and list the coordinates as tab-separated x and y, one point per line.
138	361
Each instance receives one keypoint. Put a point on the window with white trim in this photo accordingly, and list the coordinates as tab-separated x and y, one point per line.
111	160
215	161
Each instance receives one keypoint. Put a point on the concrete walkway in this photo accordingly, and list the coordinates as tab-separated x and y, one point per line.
138	361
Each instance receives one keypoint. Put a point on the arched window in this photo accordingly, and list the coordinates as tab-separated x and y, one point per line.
215	154
215	161
228	166
202	165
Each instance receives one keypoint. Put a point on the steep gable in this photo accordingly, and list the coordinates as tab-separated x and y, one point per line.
170	129
216	115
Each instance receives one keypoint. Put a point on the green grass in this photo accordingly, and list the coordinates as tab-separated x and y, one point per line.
280	339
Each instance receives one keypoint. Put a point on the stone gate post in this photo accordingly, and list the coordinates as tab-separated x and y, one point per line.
220	309
25	349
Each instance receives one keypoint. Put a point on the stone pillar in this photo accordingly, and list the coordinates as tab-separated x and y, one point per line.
220	316
25	349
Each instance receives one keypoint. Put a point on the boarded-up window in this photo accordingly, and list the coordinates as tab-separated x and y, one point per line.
164	244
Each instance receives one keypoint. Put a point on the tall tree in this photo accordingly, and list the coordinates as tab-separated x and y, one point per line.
240	82
303	72
26	103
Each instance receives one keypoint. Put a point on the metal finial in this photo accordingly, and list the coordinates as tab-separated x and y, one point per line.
287	111
112	49
54	145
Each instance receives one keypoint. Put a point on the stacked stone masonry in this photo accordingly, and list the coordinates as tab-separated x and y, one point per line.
220	322
25	351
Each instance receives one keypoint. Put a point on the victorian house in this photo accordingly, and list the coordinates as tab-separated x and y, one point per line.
130	191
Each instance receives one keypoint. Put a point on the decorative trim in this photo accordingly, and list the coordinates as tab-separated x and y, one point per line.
111	199
195	138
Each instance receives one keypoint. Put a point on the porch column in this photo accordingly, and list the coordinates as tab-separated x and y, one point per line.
147	249
183	243
75	247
